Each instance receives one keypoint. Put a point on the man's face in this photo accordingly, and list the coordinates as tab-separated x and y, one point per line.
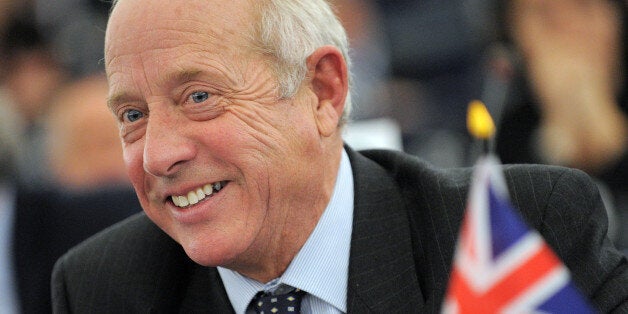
201	123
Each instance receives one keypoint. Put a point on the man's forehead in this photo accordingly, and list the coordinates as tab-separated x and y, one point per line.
186	9
131	18
136	26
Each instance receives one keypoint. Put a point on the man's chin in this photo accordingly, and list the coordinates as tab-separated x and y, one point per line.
209	255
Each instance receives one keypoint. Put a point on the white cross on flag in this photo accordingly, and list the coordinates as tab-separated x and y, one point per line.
501	265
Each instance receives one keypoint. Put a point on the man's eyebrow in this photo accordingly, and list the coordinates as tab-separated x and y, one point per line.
177	77
182	76
116	99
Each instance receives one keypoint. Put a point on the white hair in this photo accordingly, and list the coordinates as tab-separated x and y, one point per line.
289	31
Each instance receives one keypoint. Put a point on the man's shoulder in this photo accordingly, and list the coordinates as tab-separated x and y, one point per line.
563	204
533	188
127	251
128	267
409	168
136	235
552	199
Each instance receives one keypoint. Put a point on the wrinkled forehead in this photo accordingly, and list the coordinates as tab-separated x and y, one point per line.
136	22
203	7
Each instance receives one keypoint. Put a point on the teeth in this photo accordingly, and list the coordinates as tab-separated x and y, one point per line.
207	189
192	197
183	201
200	194
195	196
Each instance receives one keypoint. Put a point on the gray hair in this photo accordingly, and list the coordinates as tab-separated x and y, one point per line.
289	31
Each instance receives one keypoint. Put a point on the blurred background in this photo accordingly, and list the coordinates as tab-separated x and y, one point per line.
551	72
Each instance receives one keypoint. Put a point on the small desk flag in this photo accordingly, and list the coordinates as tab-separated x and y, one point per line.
501	265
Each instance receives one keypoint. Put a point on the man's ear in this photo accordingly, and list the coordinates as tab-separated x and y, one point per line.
328	71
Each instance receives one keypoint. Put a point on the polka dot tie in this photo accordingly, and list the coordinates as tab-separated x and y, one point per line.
265	303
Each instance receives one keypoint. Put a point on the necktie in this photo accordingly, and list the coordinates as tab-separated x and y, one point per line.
266	303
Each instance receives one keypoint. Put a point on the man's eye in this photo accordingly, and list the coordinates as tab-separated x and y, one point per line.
133	115
199	97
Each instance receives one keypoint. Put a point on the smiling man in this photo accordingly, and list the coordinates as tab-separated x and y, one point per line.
221	161
230	116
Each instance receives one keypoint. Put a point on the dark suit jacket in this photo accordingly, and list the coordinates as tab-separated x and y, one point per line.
49	222
405	226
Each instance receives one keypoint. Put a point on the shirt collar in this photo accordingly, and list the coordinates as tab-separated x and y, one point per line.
321	267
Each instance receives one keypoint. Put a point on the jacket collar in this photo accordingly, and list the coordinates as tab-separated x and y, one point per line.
382	270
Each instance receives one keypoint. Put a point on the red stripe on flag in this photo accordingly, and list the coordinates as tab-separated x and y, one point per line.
506	290
468	239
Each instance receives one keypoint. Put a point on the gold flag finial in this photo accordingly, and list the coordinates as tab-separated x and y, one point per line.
479	121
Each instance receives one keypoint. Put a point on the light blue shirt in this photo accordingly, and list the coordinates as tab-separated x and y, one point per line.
321	268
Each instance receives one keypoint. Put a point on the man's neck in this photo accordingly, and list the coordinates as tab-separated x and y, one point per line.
326	251
290	231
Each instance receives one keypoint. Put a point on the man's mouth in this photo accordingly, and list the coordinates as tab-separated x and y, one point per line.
198	194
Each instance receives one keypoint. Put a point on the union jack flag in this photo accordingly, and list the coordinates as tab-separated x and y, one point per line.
501	265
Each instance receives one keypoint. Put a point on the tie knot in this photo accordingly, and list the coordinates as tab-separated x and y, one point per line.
268	303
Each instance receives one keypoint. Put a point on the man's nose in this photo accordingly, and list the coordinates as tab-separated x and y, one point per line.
166	148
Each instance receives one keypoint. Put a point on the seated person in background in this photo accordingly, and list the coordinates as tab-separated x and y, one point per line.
39	224
568	105
48	222
83	146
231	115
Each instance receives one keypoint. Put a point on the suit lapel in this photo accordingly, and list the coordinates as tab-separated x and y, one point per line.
382	273
205	292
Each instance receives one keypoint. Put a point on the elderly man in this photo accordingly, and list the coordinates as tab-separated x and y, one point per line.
231	115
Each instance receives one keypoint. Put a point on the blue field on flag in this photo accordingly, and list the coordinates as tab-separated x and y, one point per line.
501	265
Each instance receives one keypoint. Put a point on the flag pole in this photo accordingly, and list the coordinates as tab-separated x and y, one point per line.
500	264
